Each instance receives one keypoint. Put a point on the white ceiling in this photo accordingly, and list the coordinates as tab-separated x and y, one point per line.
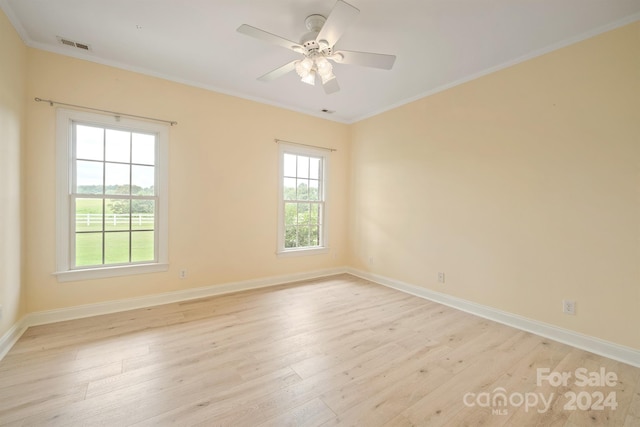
438	43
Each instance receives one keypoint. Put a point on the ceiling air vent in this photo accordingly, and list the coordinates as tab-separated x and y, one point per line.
71	43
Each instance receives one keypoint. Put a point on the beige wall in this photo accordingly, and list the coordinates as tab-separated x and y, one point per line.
522	186
222	181
13	57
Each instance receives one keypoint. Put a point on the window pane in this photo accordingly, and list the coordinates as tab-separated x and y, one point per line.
314	236
290	213
118	148
142	246
290	237
117	214
88	214
314	215
303	190
303	213
289	189
289	165
314	168
116	247
88	249
89	143
314	190
303	236
303	167
88	177
117	178
143	214
143	150
142	180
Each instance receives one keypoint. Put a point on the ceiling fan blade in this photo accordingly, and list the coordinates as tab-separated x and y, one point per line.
341	16
331	86
268	37
366	59
278	72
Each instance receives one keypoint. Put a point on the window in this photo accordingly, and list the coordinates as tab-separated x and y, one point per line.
112	196
302	227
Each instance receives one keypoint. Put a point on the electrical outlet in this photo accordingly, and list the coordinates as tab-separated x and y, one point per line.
568	306
440	277
182	274
0	312
370	260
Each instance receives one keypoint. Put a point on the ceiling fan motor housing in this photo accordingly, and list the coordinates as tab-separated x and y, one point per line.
315	22
310	40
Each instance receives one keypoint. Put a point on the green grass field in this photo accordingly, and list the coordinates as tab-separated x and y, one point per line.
124	241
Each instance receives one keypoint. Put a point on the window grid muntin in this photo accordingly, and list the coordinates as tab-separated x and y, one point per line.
104	196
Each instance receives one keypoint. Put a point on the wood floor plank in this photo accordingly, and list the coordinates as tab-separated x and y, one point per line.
332	351
556	414
312	413
397	368
485	362
633	413
27	404
623	391
398	421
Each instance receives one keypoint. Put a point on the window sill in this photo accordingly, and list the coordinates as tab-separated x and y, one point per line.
302	252
104	272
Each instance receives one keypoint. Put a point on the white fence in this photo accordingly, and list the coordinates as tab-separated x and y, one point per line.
115	219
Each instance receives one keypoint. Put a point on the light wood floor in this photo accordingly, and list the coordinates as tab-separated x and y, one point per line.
336	351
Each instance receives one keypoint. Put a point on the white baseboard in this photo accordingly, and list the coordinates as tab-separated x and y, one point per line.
9	338
51	316
88	310
592	344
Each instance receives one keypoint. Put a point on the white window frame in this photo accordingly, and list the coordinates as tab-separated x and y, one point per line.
296	149
64	176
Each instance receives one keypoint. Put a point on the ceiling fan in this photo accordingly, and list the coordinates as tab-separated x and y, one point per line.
318	48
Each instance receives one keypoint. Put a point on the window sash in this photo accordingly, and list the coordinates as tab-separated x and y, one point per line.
105	195
310	224
104	219
291	234
154	138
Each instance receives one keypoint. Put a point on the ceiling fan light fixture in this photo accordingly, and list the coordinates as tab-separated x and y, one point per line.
309	78
322	62
307	63
325	69
304	67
